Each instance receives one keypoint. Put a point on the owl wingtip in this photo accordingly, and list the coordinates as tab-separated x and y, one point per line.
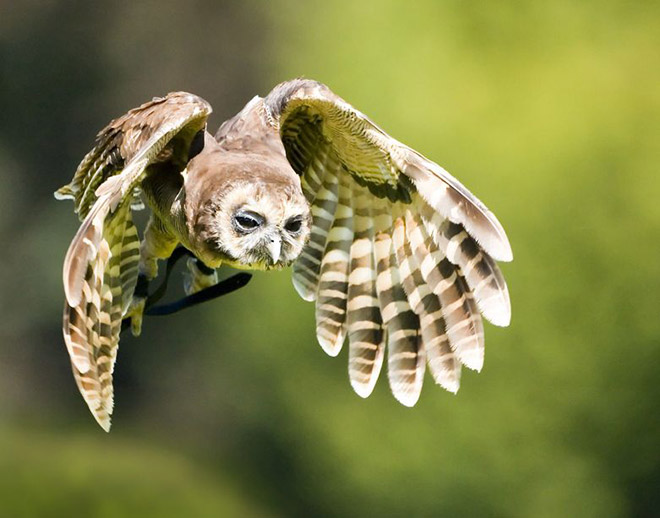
498	314
505	254
450	385
104	422
363	390
305	292
407	398
496	244
473	362
331	345
73	297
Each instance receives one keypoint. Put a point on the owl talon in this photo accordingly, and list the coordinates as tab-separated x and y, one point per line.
198	278
149	268
135	313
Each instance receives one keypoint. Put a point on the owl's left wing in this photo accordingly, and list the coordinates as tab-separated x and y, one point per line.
400	252
100	267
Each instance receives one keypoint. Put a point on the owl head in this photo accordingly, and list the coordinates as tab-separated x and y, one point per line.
255	218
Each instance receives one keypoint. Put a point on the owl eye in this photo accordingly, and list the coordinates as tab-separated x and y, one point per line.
247	221
294	224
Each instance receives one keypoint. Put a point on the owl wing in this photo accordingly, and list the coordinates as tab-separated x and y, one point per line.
400	252
100	267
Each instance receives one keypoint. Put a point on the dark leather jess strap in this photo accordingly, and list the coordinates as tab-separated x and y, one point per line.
223	287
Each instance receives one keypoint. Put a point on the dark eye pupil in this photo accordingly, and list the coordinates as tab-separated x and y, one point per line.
247	222
293	225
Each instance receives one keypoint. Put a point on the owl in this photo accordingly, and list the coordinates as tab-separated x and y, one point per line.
398	256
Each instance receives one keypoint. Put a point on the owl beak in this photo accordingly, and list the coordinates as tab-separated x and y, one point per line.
274	247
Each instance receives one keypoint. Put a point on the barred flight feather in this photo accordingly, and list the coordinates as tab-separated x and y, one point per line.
481	272
463	320
307	268
91	328
333	278
82	331
82	251
406	360
128	263
443	363
454	202
365	325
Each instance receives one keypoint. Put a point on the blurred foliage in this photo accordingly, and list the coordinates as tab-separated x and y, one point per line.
549	112
61	475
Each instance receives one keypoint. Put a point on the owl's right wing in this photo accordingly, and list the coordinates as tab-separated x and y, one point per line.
400	252
100	267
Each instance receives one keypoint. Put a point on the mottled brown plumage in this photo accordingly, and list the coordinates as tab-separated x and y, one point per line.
398	256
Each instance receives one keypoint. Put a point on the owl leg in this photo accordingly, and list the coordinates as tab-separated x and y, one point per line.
199	276
157	244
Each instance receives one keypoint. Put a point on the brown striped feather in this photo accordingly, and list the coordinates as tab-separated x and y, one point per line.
450	199
307	268
333	279
365	326
91	328
406	359
443	363
481	272
128	265
462	318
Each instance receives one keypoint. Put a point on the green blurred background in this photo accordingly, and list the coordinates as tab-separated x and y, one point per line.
548	111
